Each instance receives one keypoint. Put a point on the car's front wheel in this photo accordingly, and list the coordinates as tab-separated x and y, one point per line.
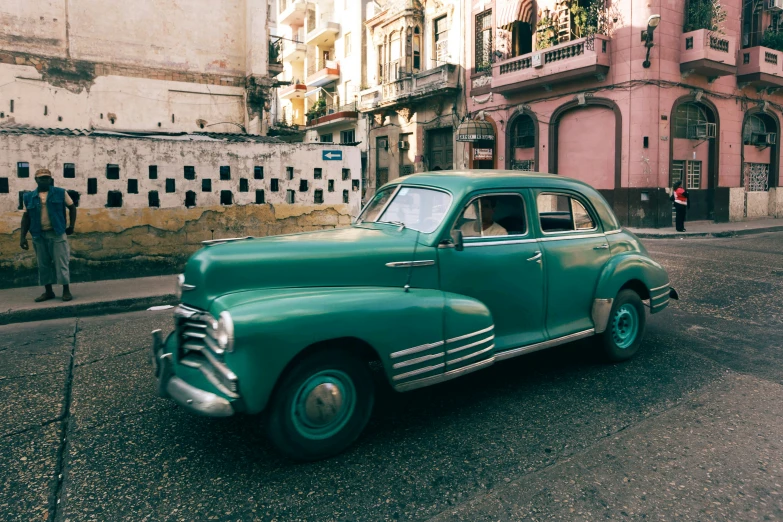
625	330
321	406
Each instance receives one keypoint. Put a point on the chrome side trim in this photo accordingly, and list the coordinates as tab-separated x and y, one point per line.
466	336
496	243
447	376
415	349
665	293
570	236
613	232
187	288
659	288
408	264
470	355
186	312
225	240
471	345
662	304
417	360
419	371
601	310
508	354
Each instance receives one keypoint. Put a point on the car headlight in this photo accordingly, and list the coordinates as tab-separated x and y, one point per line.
178	286
224	332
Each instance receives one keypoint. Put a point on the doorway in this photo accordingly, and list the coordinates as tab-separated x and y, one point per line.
440	150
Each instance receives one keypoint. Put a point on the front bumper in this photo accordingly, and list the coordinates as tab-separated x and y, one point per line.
189	397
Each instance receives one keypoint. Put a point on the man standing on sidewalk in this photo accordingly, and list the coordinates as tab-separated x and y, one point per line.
44	218
681	204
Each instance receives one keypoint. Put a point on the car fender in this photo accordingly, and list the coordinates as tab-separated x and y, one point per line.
619	271
272	327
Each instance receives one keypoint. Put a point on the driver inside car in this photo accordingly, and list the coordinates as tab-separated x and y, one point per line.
488	225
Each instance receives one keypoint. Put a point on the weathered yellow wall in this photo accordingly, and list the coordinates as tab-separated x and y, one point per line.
119	243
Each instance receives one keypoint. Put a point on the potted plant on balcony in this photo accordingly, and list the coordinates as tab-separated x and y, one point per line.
546	33
317	110
772	40
589	19
704	14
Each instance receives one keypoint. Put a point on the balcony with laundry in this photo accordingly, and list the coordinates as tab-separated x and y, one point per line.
567	43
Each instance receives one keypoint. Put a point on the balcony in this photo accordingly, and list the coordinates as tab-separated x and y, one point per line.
708	54
399	88
323	34
760	66
275	56
292	92
335	114
292	12
327	75
294	51
584	58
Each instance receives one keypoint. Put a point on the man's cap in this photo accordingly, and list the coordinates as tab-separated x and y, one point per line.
42	172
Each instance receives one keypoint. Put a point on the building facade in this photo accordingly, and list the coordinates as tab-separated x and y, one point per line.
415	94
323	67
146	65
632	95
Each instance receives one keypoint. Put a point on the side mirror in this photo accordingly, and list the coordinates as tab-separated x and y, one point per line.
456	237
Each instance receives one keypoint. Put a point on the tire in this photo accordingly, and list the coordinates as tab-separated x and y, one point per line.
625	329
304	427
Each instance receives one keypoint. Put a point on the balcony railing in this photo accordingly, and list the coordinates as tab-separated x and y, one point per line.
335	112
324	76
276	54
760	66
708	54
577	59
435	81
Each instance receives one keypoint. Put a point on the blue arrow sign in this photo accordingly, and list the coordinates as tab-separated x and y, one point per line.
332	155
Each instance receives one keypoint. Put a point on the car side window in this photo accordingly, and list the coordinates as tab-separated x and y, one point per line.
493	216
563	213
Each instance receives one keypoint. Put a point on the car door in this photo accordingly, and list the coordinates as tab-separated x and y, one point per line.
575	253
500	266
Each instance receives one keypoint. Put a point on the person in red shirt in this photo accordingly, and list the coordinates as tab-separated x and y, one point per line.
681	204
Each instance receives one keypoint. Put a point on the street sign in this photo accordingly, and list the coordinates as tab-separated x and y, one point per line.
482	154
332	155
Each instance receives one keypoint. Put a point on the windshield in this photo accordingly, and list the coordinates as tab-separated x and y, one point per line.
417	208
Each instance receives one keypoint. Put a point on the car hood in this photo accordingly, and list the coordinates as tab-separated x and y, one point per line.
354	256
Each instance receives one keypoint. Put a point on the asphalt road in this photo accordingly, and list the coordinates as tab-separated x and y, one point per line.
692	429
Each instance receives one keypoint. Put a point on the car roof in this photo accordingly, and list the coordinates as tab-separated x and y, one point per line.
463	182
458	181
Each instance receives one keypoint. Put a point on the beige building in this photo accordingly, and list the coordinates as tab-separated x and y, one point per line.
145	65
323	44
415	96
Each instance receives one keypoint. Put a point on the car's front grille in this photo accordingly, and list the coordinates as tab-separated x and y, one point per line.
199	349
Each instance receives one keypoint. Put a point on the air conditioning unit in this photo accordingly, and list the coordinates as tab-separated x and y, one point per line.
403	145
775	5
701	131
763	139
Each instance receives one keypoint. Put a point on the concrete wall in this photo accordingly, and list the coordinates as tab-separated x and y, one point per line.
136	239
153	64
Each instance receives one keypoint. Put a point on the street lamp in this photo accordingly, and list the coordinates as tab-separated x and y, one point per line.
647	37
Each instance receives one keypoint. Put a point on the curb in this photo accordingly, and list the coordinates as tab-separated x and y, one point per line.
84	310
700	235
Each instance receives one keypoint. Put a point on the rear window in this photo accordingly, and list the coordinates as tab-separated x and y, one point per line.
563	213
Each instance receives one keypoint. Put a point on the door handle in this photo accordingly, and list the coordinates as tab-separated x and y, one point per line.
536	257
601	247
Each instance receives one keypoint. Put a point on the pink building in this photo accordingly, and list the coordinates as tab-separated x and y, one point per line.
631	95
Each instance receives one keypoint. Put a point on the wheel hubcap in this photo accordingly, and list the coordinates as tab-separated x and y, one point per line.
625	326
324	404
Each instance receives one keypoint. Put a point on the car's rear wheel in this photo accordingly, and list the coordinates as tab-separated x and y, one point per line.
321	406
625	329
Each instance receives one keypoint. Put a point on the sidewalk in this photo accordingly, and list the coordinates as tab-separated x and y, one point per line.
17	305
708	229
126	295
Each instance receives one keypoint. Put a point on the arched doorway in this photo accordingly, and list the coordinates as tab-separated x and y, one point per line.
694	153
522	142
586	143
483	151
760	154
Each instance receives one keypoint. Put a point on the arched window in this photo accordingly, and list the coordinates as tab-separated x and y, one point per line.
687	117
416	49
394	57
524	133
753	125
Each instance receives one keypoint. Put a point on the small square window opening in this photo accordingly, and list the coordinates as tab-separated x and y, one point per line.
190	199
171	185
112	171
23	169
206	185
226	197
289	172
133	186
258	172
225	172
69	170
331	185
114	199
289	197
318	196
259	197
317	173
92	185
153	199
153	170
303	185
243	185
346	174
190	172
274	185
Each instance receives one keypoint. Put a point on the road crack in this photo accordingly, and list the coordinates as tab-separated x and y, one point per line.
55	495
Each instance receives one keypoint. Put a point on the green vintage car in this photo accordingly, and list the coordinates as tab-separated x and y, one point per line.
441	275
